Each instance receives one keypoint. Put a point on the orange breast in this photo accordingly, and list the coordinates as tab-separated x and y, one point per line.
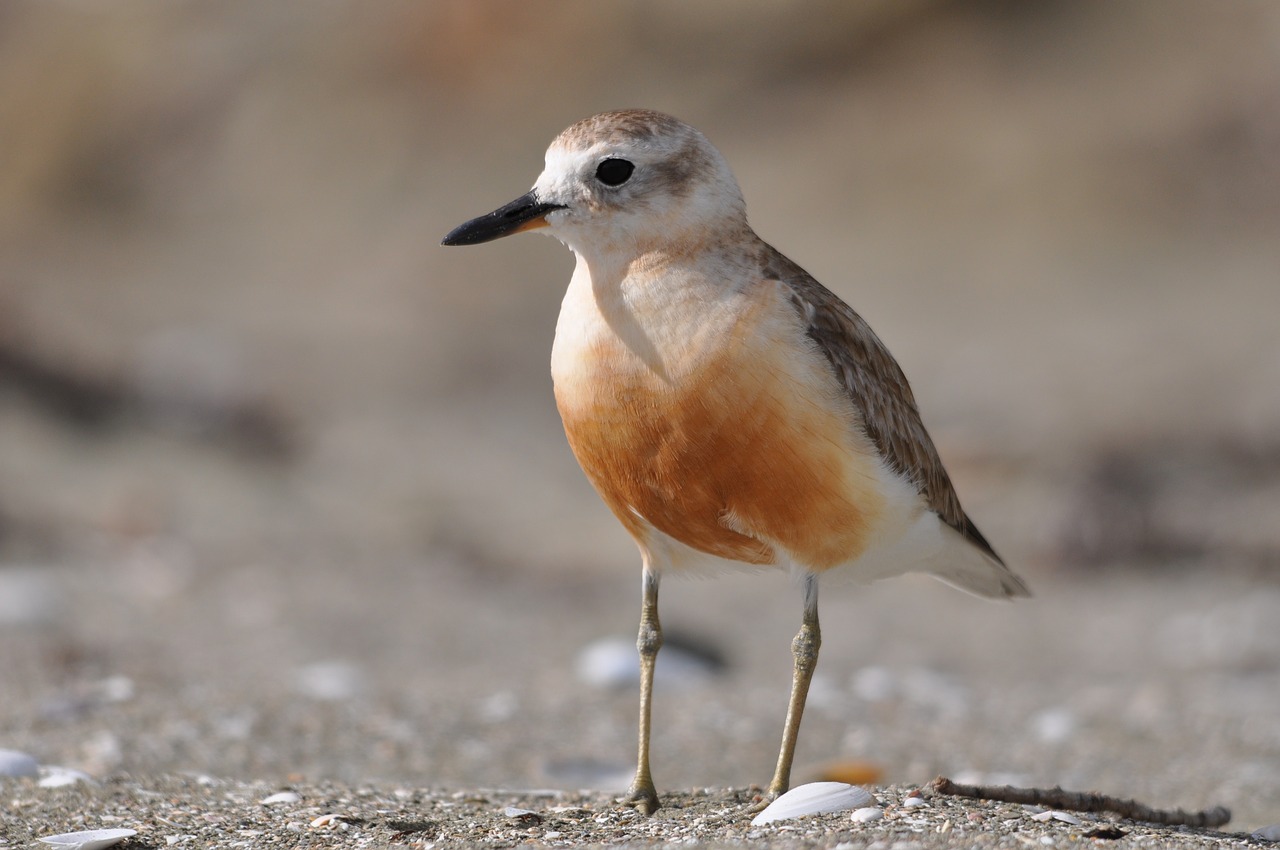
742	449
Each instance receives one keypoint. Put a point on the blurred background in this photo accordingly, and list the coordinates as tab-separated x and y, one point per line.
282	486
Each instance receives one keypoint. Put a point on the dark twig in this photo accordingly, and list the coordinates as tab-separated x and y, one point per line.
1083	802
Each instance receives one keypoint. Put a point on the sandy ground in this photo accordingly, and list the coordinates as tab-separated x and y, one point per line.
207	812
285	502
429	676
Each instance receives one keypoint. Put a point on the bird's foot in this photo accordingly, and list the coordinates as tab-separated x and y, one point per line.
761	803
643	797
763	799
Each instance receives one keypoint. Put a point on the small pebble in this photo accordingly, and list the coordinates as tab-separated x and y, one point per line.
1268	833
114	689
1054	725
14	763
499	707
28	596
613	662
915	801
329	681
866	814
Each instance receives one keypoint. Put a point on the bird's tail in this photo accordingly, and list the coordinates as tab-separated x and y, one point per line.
970	568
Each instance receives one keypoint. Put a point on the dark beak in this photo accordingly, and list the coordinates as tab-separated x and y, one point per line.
524	213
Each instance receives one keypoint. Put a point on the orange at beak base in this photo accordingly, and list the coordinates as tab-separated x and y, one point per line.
524	213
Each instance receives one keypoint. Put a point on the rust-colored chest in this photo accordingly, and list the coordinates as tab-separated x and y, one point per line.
734	443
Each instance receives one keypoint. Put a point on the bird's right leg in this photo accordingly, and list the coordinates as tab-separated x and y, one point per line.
804	650
643	795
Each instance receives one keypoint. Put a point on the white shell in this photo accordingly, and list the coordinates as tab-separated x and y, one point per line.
14	763
53	776
867	814
281	797
90	839
814	799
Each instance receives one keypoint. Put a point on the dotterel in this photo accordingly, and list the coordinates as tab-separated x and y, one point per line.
724	404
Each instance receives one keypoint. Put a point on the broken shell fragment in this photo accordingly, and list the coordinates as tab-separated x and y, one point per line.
1054	814
814	798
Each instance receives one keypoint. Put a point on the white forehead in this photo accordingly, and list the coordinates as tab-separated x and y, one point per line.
582	147
563	163
679	154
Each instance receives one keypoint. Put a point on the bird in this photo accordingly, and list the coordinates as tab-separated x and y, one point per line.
725	405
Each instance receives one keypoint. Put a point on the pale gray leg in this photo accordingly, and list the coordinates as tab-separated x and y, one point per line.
643	795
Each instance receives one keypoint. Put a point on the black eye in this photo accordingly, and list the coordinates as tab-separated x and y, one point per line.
614	172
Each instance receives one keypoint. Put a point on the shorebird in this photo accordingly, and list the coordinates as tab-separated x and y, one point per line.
725	405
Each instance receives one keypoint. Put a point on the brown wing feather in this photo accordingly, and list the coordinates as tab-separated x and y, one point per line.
878	388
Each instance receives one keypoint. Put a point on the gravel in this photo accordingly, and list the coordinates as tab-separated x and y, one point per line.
171	704
201	811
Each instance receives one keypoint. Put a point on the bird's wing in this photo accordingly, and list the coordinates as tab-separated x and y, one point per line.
876	385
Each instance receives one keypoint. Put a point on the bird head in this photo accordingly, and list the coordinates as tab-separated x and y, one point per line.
624	181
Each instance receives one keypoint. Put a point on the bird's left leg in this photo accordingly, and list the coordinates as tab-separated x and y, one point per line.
643	795
804	650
